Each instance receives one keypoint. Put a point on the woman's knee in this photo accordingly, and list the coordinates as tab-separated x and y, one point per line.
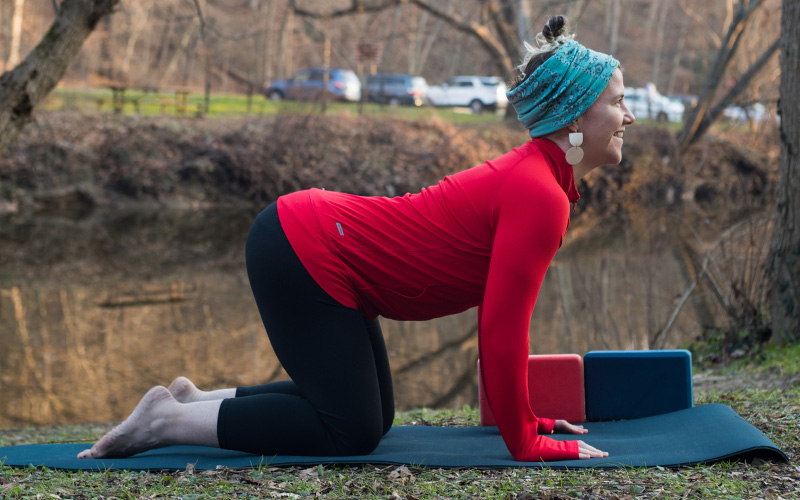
388	419
358	436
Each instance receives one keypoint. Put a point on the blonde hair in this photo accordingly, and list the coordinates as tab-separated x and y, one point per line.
553	35
543	46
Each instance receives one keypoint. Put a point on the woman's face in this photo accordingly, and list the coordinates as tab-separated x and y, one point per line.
603	125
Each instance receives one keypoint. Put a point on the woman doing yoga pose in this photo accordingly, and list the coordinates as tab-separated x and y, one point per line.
324	265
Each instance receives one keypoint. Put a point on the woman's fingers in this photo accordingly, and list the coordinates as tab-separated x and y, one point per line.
564	426
589	451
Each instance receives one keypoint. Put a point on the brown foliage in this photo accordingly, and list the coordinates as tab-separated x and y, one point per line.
104	159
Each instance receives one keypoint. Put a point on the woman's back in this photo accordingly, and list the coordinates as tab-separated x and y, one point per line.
426	254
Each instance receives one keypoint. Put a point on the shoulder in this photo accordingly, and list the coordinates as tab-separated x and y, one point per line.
530	196
532	181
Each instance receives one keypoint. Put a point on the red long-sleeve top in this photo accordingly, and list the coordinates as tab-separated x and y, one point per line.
482	237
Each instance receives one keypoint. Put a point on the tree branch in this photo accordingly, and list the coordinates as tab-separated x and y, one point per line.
202	20
505	27
741	84
356	7
24	87
691	130
499	51
479	31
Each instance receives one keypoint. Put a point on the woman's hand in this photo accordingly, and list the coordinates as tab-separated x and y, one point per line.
588	451
584	450
568	428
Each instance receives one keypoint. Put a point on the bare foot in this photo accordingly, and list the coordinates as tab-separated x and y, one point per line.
184	391
140	431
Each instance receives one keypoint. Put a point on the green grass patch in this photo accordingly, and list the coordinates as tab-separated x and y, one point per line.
762	359
144	102
775	412
163	102
785	360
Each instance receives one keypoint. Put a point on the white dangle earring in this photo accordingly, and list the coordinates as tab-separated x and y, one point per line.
575	153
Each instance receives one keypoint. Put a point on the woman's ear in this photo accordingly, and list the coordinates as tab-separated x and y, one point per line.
573	127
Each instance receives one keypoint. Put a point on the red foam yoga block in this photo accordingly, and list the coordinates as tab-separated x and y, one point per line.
555	388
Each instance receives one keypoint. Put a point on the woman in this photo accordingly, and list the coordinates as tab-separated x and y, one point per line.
324	265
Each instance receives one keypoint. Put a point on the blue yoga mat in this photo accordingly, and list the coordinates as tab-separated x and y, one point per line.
707	433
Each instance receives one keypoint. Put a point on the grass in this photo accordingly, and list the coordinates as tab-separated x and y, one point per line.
154	103
763	360
775	412
781	361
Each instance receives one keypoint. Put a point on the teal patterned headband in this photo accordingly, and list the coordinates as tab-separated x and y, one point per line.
562	88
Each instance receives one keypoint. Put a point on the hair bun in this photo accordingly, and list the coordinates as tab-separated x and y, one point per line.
555	27
554	35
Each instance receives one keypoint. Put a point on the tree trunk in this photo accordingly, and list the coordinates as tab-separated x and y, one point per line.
784	258
16	34
676	56
268	47
613	29
524	14
655	75
163	43
139	19
415	46
181	48
430	41
287	43
5	29
29	83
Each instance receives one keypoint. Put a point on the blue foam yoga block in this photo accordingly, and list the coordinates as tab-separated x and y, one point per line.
621	385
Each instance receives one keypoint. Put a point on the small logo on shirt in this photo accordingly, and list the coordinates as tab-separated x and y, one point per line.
339	227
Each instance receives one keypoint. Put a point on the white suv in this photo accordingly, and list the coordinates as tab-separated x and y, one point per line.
475	92
648	104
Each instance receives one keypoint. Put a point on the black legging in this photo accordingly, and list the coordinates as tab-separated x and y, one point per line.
340	400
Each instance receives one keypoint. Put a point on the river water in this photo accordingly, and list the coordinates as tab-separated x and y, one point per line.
97	309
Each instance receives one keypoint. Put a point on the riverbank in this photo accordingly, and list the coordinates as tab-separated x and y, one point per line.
773	411
72	163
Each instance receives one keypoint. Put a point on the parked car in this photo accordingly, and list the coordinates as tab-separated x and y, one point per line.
648	104
397	88
688	100
307	85
476	92
755	112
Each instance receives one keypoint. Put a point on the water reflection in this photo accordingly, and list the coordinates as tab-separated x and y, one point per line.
95	311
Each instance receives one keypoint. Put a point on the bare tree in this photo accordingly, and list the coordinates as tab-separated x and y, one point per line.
784	259
423	44
266	61
187	39
708	107
22	88
677	54
496	30
16	34
139	13
612	20
658	7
